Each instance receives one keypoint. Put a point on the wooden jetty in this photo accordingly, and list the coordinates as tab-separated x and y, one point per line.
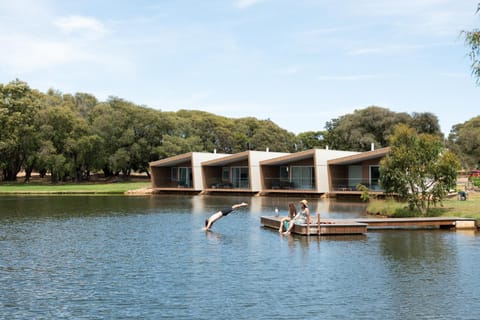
420	223
362	225
322	228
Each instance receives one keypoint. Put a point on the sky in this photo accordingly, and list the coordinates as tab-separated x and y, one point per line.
299	63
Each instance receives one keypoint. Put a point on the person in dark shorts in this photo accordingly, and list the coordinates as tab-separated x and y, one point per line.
220	214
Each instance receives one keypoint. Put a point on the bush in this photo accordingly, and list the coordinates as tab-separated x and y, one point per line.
475	181
396	209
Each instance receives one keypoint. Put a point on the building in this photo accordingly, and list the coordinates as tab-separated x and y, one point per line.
314	171
305	172
182	172
239	172
346	173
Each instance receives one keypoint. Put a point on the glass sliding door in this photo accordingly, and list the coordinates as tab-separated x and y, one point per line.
185	177
354	177
374	177
240	177
302	177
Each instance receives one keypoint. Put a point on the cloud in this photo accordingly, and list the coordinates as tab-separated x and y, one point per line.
243	4
39	41
397	49
454	75
26	53
80	25
291	70
355	77
433	17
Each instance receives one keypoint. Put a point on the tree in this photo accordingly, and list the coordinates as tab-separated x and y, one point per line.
60	124
269	136
112	123
358	130
472	40
19	106
173	145
464	140
418	168
312	139
374	125
425	122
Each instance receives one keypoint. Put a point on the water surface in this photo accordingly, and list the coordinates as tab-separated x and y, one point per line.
115	257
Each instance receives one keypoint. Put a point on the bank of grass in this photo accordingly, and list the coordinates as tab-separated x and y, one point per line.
451	207
74	188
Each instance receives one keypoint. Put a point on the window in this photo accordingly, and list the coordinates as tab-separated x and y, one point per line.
302	177
354	177
374	177
240	177
174	174
185	176
225	174
182	175
284	173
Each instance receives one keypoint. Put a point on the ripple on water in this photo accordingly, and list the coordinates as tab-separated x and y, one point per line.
151	260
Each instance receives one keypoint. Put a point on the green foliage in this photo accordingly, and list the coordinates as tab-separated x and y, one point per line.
425	122
395	209
70	136
418	168
19	106
472	40
475	181
357	131
464	140
365	196
312	139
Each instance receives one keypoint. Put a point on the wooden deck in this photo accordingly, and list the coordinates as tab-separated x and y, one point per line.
361	226
336	228
420	223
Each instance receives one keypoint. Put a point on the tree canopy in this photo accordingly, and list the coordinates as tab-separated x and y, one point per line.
472	40
464	140
418	168
358	130
70	136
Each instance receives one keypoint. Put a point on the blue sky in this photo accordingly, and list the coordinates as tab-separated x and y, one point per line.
299	63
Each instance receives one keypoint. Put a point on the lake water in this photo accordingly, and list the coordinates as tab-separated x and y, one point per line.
116	257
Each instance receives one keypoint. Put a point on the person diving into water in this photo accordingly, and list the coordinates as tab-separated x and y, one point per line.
220	214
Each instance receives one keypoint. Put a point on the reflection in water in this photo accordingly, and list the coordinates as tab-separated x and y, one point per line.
420	266
147	258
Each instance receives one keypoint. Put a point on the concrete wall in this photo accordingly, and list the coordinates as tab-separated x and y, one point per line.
321	168
254	163
197	159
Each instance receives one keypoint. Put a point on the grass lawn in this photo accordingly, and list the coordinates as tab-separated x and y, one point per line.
74	188
451	207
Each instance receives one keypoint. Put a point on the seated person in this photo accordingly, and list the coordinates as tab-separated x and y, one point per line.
301	218
292	212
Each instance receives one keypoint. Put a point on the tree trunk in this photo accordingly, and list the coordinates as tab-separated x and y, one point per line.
107	172
10	174
28	174
78	174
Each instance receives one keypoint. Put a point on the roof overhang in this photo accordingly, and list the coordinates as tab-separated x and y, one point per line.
308	154
227	160
172	161
368	155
